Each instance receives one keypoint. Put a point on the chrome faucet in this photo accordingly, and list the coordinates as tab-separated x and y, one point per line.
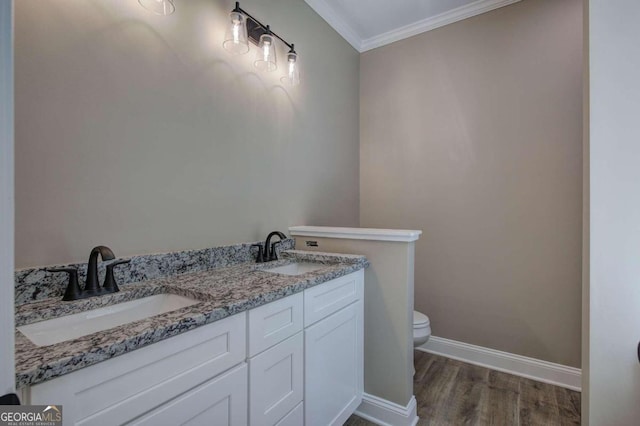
92	287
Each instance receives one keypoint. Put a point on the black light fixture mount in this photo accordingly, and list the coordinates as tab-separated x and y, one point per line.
255	28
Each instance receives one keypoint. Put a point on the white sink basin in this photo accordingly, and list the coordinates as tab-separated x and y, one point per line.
69	327
295	268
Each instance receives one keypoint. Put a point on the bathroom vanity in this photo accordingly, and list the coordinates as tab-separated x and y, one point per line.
287	350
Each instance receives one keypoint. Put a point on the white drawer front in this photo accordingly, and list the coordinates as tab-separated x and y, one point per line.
324	299
276	378
219	402
294	418
125	387
274	322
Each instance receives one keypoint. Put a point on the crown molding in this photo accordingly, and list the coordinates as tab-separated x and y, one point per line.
431	23
326	12
338	23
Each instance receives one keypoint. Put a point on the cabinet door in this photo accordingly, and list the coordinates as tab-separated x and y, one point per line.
276	377
219	402
334	367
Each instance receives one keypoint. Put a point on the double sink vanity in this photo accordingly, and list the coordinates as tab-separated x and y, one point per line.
227	342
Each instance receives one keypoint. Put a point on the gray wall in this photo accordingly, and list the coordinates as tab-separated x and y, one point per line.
614	173
140	132
473	133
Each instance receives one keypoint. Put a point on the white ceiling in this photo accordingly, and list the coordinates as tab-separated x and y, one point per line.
368	24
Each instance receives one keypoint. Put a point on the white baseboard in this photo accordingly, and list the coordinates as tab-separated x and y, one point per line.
387	413
531	368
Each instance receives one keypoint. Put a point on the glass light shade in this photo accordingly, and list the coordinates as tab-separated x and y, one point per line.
236	40
159	7
266	53
293	71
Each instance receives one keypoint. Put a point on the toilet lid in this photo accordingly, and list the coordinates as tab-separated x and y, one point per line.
420	319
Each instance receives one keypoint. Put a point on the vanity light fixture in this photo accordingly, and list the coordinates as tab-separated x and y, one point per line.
159	7
243	28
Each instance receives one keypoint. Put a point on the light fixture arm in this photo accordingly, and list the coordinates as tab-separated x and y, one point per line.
266	28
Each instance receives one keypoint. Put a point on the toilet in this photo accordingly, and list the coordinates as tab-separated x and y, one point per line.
421	329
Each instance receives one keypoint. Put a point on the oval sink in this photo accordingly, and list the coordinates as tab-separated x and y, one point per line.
295	268
69	327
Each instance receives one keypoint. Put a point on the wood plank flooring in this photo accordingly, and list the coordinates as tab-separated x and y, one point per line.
450	392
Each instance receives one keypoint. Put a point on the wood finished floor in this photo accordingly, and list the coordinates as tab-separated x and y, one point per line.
450	392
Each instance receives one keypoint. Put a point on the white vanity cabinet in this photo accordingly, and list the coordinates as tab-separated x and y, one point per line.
292	362
329	376
121	389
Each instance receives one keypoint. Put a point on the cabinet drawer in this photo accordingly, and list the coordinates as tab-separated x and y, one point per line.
219	402
276	378
274	322
327	298
294	418
123	388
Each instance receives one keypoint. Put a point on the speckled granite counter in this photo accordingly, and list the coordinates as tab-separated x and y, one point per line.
222	292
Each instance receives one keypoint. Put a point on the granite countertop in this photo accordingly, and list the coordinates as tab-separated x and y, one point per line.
221	292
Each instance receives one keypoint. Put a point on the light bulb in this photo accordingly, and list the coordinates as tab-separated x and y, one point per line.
236	33
265	51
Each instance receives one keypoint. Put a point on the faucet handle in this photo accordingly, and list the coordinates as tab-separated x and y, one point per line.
110	285
260	257
73	291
